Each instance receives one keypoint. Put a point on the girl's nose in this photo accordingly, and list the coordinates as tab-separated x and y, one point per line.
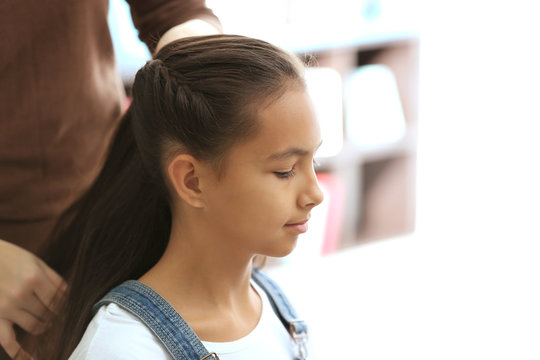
312	194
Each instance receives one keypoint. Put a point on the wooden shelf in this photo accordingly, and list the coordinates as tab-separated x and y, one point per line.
379	180
354	155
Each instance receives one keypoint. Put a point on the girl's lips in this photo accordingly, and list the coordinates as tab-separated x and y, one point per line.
300	227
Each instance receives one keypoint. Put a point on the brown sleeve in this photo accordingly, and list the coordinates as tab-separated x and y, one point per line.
154	17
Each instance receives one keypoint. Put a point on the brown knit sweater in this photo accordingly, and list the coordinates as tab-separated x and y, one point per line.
60	97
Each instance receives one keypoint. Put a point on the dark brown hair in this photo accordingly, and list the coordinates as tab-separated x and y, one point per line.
199	95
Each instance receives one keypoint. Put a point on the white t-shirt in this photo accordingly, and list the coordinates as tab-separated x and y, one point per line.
115	334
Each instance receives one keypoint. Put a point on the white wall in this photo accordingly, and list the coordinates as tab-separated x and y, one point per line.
479	177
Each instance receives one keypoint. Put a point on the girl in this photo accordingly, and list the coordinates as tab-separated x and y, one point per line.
211	166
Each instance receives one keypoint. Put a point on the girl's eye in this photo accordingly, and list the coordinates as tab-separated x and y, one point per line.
284	175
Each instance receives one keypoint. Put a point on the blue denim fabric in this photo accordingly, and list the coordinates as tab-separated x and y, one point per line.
282	307
160	317
174	332
284	310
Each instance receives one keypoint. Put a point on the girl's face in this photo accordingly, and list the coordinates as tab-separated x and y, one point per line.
263	200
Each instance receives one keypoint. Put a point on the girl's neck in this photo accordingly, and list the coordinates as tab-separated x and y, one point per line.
207	282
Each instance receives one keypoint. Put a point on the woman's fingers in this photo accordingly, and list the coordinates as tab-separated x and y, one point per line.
23	355
24	300
8	340
30	295
35	293
51	288
28	322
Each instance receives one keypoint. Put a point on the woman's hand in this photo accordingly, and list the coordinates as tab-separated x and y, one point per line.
30	295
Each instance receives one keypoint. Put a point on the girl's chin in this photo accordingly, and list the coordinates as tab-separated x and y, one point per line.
284	250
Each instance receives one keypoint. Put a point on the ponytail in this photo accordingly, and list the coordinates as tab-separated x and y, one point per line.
199	95
115	232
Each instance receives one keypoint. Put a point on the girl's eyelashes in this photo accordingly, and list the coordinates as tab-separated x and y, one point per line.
284	174
290	173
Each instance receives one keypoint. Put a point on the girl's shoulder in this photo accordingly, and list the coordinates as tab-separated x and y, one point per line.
114	333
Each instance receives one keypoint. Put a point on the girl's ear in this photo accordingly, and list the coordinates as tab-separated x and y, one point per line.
183	172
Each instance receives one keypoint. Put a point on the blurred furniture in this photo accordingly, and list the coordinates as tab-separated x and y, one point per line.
379	176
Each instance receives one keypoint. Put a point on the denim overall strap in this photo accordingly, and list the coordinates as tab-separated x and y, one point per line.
284	310
160	317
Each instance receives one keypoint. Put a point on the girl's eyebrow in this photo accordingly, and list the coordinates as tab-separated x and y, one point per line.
289	153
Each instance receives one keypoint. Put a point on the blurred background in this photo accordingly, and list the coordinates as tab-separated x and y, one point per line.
427	244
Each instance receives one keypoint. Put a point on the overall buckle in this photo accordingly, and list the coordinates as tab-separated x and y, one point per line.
299	338
211	356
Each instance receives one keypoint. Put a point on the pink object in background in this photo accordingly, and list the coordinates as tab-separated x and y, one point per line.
334	217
